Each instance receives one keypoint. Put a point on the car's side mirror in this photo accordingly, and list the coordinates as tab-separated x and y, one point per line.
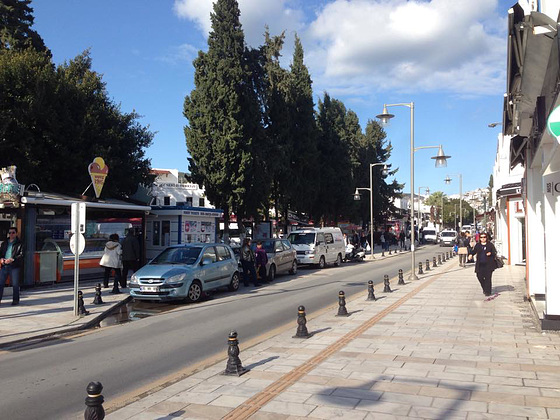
206	261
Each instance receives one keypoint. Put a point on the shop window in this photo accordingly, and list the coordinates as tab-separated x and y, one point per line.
155	233
201	202
165	232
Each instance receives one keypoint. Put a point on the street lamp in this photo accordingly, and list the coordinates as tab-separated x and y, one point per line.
427	190
494	124
384	172
441	161
448	181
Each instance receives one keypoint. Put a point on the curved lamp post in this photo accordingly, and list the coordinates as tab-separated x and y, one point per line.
384	172
427	191
448	181
441	161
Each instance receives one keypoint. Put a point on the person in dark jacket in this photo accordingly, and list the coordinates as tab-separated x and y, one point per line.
11	260
485	252
261	259
130	255
247	258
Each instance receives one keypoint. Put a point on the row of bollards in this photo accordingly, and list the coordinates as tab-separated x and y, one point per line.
439	260
97	300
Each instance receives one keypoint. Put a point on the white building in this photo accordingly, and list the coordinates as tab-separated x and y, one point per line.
180	213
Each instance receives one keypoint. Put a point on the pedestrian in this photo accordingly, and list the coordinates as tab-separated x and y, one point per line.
130	255
421	235
247	258
402	238
462	248
261	259
383	240
11	261
485	263
112	260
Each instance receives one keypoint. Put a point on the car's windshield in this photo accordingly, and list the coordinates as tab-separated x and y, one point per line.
448	234
302	238
182	255
429	232
268	246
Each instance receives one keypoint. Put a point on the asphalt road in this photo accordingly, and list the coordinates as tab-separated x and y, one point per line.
48	380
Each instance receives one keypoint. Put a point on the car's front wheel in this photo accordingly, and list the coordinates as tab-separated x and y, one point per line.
322	262
195	292
272	273
234	283
338	260
293	270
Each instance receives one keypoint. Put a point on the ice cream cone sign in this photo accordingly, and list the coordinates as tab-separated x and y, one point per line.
98	172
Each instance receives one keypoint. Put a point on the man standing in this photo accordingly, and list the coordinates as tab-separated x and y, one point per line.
11	260
130	255
247	259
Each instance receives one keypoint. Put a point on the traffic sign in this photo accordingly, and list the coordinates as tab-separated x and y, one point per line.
79	208
81	243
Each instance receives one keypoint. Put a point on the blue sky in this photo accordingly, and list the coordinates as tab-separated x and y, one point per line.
446	56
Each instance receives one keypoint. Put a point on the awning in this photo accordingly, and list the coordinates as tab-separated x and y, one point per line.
509	190
121	205
517	148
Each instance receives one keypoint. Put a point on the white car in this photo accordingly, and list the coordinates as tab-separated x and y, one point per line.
447	237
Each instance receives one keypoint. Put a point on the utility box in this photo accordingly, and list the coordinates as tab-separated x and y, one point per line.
48	266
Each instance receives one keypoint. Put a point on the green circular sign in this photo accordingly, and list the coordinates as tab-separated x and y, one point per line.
553	122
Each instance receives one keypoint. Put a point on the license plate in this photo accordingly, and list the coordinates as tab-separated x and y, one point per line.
149	289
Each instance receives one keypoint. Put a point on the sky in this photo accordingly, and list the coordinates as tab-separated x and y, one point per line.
448	57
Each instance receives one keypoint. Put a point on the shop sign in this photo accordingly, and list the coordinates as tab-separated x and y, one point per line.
552	185
200	213
553	123
98	171
10	189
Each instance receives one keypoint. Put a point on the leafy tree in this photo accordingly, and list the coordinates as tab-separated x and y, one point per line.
16	20
54	122
435	200
224	123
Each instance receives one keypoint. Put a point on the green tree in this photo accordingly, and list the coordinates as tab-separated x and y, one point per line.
16	20
54	122
224	117
435	200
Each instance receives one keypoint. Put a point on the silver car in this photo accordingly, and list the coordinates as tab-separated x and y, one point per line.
186	272
281	255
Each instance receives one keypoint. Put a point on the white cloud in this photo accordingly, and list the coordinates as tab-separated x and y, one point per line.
357	47
180	53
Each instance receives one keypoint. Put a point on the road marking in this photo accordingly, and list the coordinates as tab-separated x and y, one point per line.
255	403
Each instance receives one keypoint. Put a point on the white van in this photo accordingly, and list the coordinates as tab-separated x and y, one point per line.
319	246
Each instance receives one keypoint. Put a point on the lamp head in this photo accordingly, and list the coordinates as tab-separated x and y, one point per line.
447	180
385	116
385	170
357	196
441	158
427	191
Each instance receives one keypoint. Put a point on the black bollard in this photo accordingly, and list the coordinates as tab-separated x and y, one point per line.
234	366
301	324
439	259
116	290
342	304
386	284
427	264
371	295
390	253
420	271
97	300
81	306
94	402
401	278
444	257
434	264
382	251
447	256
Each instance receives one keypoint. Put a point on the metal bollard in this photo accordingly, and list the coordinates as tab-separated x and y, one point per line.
390	250
94	402
386	284
341	304
301	324
401	278
382	251
371	295
420	271
97	299
444	257
434	264
81	306
439	259
447	255
116	290
234	366
427	264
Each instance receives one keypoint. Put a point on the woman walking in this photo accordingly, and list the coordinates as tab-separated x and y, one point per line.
485	263
111	260
462	249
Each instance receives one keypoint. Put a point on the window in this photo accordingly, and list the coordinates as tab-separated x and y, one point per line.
278	246
165	232
155	234
210	252
201	202
166	201
320	238
189	201
286	245
223	253
329	238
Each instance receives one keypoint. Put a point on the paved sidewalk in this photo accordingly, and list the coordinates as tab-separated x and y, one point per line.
49	310
432	349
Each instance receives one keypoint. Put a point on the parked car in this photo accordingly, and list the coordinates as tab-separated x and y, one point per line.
318	246
281	255
186	271
447	237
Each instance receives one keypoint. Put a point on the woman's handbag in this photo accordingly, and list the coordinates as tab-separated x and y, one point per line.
499	262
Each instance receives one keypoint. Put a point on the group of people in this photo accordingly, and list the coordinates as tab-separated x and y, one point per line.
117	257
253	263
